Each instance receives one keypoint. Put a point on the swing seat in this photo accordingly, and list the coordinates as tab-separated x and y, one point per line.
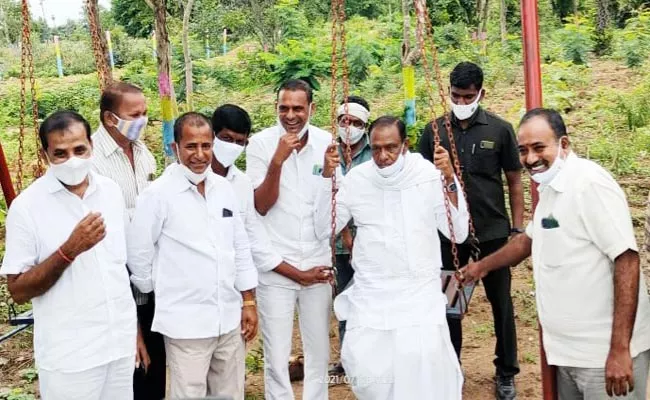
26	318
456	303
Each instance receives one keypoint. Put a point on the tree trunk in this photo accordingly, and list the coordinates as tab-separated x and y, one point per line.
479	14
502	20
189	84
603	17
165	86
100	48
484	16
575	7
406	24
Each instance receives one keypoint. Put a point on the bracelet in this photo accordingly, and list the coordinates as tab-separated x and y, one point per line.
517	230
249	303
65	258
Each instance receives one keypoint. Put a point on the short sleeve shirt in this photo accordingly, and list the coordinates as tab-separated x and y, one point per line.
582	223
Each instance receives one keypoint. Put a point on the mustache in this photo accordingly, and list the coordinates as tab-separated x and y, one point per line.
537	164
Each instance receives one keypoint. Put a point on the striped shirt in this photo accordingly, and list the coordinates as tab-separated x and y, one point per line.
110	160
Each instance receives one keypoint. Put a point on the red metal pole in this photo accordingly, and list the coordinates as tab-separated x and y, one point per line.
533	81
5	179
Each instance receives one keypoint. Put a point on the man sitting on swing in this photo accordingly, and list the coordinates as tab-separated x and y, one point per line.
397	343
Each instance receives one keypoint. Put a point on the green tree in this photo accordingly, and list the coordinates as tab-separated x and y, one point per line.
10	21
134	15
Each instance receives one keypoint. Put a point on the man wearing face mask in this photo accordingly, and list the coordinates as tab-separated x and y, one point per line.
232	125
486	148
592	302
122	156
65	252
352	119
397	343
285	163
187	242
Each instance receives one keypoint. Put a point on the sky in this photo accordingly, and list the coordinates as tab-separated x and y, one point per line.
63	10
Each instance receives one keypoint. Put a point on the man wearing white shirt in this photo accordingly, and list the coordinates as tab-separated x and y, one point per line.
284	162
65	251
232	125
122	156
188	243
397	343
591	299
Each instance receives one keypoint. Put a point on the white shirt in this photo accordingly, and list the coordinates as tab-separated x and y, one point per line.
573	264
290	222
193	251
109	160
264	256
396	255
87	318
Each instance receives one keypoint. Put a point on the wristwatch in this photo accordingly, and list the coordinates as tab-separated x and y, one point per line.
517	230
452	188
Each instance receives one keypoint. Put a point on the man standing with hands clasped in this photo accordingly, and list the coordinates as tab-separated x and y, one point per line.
591	298
285	163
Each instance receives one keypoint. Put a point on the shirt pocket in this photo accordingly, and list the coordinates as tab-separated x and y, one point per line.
554	247
484	161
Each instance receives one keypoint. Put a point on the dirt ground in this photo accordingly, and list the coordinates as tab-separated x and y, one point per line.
478	347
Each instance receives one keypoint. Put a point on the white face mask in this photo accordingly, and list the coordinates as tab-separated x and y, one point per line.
356	134
392	169
465	111
544	178
304	129
131	129
193	176
72	171
225	152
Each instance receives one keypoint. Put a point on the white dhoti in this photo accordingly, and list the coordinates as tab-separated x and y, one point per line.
412	362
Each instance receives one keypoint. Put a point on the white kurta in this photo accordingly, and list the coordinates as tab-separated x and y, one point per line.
397	342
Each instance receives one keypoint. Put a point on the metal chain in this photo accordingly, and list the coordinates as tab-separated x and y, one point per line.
338	39
38	168
23	106
420	9
103	72
473	240
346	83
335	15
27	69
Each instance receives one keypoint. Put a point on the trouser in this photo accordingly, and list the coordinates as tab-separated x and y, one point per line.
412	362
276	307
152	384
589	383
344	274
110	381
207	367
497	290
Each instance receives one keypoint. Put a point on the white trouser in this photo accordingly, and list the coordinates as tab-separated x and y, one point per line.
207	367
106	382
414	362
276	306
